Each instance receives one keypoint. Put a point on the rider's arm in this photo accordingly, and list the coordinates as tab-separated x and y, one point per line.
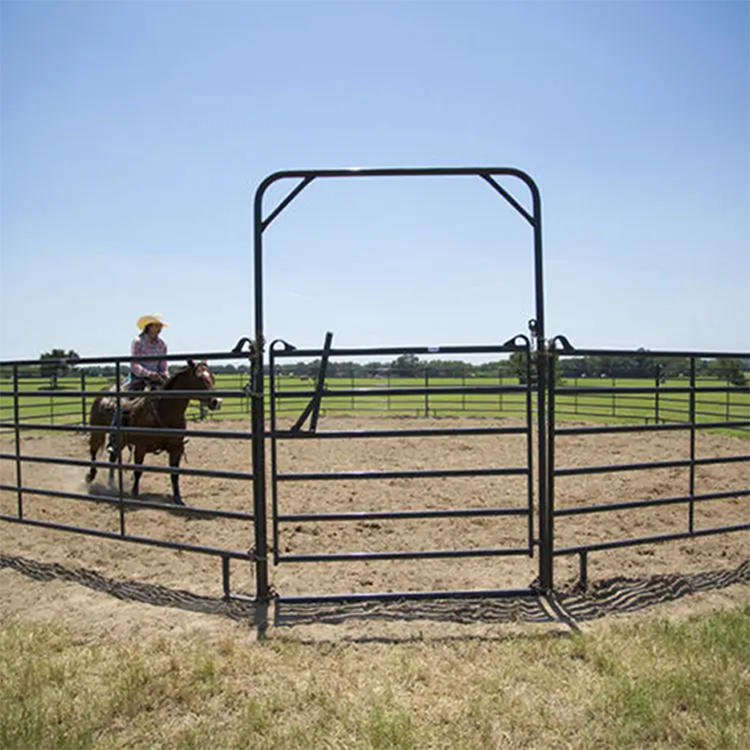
161	365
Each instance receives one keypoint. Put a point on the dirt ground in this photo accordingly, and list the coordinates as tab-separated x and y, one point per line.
47	573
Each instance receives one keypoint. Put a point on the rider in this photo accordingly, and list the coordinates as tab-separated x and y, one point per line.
150	373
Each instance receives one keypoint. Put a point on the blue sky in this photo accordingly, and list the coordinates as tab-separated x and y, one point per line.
133	136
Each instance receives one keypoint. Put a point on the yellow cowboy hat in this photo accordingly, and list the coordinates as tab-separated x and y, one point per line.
147	320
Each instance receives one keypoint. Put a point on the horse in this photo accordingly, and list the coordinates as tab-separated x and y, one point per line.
153	411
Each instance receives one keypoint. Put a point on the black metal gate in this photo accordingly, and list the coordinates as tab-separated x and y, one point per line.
295	432
294	411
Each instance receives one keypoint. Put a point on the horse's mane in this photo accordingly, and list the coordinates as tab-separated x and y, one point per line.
169	384
143	402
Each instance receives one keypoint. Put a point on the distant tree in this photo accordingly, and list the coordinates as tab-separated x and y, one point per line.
730	370
406	366
492	369
57	364
374	369
517	363
517	366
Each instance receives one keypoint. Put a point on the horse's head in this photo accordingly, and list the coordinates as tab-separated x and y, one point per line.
204	379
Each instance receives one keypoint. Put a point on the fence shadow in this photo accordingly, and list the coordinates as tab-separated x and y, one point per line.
622	595
134	591
617	595
529	609
607	597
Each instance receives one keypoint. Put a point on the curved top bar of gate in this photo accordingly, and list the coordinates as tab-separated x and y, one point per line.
486	173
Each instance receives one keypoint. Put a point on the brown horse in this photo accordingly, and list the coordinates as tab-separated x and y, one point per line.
152	411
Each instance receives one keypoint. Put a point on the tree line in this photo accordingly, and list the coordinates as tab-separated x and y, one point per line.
640	366
60	363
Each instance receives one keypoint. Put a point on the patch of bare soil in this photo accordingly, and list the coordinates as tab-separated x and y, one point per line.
51	584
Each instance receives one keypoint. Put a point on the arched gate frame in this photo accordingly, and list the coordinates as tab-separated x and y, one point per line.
303	179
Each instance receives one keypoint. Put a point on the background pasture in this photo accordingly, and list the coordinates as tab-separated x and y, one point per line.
611	406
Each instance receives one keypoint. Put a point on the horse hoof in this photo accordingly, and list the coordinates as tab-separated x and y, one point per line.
178	501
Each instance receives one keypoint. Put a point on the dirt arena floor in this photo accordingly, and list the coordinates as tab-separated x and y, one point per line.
70	568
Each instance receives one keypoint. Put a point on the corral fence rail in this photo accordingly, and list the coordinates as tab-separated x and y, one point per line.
21	417
697	405
689	405
410	399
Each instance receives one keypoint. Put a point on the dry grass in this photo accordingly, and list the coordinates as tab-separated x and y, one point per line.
651	684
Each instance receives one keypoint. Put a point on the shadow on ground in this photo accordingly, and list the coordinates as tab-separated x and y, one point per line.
612	596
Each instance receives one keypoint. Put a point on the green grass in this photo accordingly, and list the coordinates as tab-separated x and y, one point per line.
605	407
653	684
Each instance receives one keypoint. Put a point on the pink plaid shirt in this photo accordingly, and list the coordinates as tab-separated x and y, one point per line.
143	346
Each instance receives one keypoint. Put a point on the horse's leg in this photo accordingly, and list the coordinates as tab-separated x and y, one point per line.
96	440
115	449
174	461
139	455
115	452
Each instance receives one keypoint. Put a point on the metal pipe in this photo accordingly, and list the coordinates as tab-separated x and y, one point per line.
583	570
651	503
405	555
691	480
400	514
397	596
616	544
17	431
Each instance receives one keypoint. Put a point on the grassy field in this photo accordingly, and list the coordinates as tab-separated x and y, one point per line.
644	684
63	408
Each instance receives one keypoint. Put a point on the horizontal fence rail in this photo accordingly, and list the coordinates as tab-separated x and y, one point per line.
689	413
690	403
60	405
423	400
622	399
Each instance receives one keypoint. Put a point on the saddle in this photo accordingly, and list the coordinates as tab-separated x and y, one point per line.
130	399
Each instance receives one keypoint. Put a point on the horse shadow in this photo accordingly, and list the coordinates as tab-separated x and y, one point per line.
162	501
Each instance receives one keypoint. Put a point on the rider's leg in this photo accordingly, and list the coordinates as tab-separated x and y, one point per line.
130	385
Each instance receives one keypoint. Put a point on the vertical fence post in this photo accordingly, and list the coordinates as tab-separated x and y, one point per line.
529	444
546	581
118	441
728	399
257	380
244	401
691	512
17	430
52	385
548	535
657	385
427	393
84	414
273	409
